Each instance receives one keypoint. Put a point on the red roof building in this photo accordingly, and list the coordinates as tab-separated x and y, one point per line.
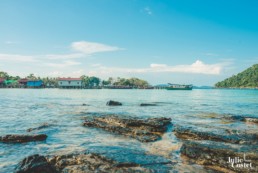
69	79
23	81
2	80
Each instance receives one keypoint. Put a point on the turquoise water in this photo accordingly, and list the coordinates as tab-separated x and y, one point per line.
62	109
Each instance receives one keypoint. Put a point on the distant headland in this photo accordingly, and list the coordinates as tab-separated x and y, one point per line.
246	79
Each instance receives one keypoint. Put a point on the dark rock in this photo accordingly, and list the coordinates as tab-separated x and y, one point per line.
83	162
243	118
22	138
142	129
148	104
251	120
190	133
216	156
113	103
45	125
35	164
91	162
85	104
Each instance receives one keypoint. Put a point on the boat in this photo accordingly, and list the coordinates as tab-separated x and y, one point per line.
179	87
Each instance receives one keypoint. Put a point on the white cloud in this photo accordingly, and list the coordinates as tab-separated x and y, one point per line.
55	74
197	67
158	65
210	54
11	42
17	58
91	47
65	56
81	49
63	64
147	10
77	73
96	65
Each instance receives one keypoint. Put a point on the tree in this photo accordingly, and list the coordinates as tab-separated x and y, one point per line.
31	77
132	82
247	78
94	81
90	81
85	80
105	82
4	75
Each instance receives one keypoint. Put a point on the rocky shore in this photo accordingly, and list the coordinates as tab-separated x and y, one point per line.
76	163
97	159
223	150
221	157
219	150
190	133
144	130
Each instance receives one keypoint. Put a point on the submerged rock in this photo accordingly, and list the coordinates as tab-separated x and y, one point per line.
148	104
142	129
22	138
221	136
216	156
35	164
90	162
113	103
84	104
243	118
45	125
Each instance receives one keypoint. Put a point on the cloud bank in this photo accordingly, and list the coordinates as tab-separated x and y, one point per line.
80	49
198	67
17	58
92	47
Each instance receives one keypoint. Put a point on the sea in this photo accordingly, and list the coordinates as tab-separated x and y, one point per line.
64	112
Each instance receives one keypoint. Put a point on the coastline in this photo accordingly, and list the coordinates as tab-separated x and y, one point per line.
80	124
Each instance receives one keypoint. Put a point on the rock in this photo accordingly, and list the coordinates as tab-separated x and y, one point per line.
85	104
220	135
79	163
142	129
148	104
251	120
113	103
243	118
35	164
22	138
45	125
216	156
91	163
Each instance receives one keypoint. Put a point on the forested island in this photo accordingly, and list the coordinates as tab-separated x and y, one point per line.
246	79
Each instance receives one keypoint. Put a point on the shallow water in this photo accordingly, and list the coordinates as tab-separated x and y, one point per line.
22	109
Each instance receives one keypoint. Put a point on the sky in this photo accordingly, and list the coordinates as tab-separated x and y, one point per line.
196	42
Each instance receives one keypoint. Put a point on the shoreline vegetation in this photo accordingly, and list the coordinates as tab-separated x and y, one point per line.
86	82
246	80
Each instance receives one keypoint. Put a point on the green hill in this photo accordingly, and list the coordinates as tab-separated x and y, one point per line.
245	79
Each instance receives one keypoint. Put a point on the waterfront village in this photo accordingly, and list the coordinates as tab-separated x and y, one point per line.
66	83
84	82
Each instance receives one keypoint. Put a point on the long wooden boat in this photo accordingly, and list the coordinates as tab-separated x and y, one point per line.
179	87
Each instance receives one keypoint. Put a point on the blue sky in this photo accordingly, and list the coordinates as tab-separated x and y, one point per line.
198	42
